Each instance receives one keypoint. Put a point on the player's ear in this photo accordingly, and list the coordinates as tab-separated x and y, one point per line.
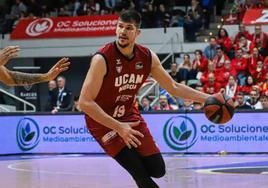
138	32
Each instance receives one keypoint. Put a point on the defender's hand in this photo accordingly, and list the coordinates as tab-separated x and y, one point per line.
8	53
60	66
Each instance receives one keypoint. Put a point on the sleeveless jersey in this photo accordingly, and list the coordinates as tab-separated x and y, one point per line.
122	81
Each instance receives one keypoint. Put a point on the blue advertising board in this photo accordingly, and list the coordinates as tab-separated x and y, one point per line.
173	133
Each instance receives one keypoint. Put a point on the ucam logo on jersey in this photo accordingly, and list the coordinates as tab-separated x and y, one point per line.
128	81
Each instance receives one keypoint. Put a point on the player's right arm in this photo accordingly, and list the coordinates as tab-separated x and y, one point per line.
89	92
15	78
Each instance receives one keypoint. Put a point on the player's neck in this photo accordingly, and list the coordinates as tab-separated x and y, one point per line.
128	51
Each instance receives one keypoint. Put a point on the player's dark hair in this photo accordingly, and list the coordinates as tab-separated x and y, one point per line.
131	16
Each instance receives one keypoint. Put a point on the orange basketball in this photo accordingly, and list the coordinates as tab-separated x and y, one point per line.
219	108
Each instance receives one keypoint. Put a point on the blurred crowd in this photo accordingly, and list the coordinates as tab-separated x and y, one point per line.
191	14
237	67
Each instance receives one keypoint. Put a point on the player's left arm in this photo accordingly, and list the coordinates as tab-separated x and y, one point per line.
174	88
14	78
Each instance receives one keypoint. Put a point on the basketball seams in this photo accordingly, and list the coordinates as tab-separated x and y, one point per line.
219	108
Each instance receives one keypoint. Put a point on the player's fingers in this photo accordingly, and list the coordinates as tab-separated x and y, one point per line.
63	60
10	49
135	139
133	143
137	133
134	124
128	145
66	64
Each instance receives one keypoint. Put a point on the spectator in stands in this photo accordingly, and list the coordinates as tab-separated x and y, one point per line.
246	46
148	16
248	86
241	66
210	51
164	105
199	65
197	106
253	101
75	107
77	5
231	87
162	16
145	104
224	40
264	102
174	72
63	12
264	86
219	59
197	12
190	27
253	59
259	73
184	68
242	32
212	87
240	102
207	11
227	71
260	40
210	69
61	97
187	105
17	9
51	86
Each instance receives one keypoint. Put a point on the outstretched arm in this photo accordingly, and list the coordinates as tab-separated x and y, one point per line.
174	88
8	53
14	78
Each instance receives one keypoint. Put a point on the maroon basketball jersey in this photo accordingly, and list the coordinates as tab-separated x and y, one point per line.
122	81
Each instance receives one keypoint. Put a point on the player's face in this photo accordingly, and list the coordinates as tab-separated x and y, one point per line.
126	33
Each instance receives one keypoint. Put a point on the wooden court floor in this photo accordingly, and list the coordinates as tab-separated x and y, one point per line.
87	171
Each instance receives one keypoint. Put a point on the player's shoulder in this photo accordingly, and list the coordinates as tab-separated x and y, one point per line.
106	48
143	49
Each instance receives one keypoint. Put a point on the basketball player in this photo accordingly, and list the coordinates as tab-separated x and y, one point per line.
14	78
107	97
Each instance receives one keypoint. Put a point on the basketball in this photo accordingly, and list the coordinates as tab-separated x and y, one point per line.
219	108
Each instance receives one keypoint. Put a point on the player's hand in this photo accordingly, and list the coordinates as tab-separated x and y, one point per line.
60	66
129	135
8	53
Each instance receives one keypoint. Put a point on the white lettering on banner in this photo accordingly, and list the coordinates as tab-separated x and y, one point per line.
64	24
85	29
263	18
95	23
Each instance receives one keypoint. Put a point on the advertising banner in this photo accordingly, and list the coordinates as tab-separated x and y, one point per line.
256	16
173	133
65	27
